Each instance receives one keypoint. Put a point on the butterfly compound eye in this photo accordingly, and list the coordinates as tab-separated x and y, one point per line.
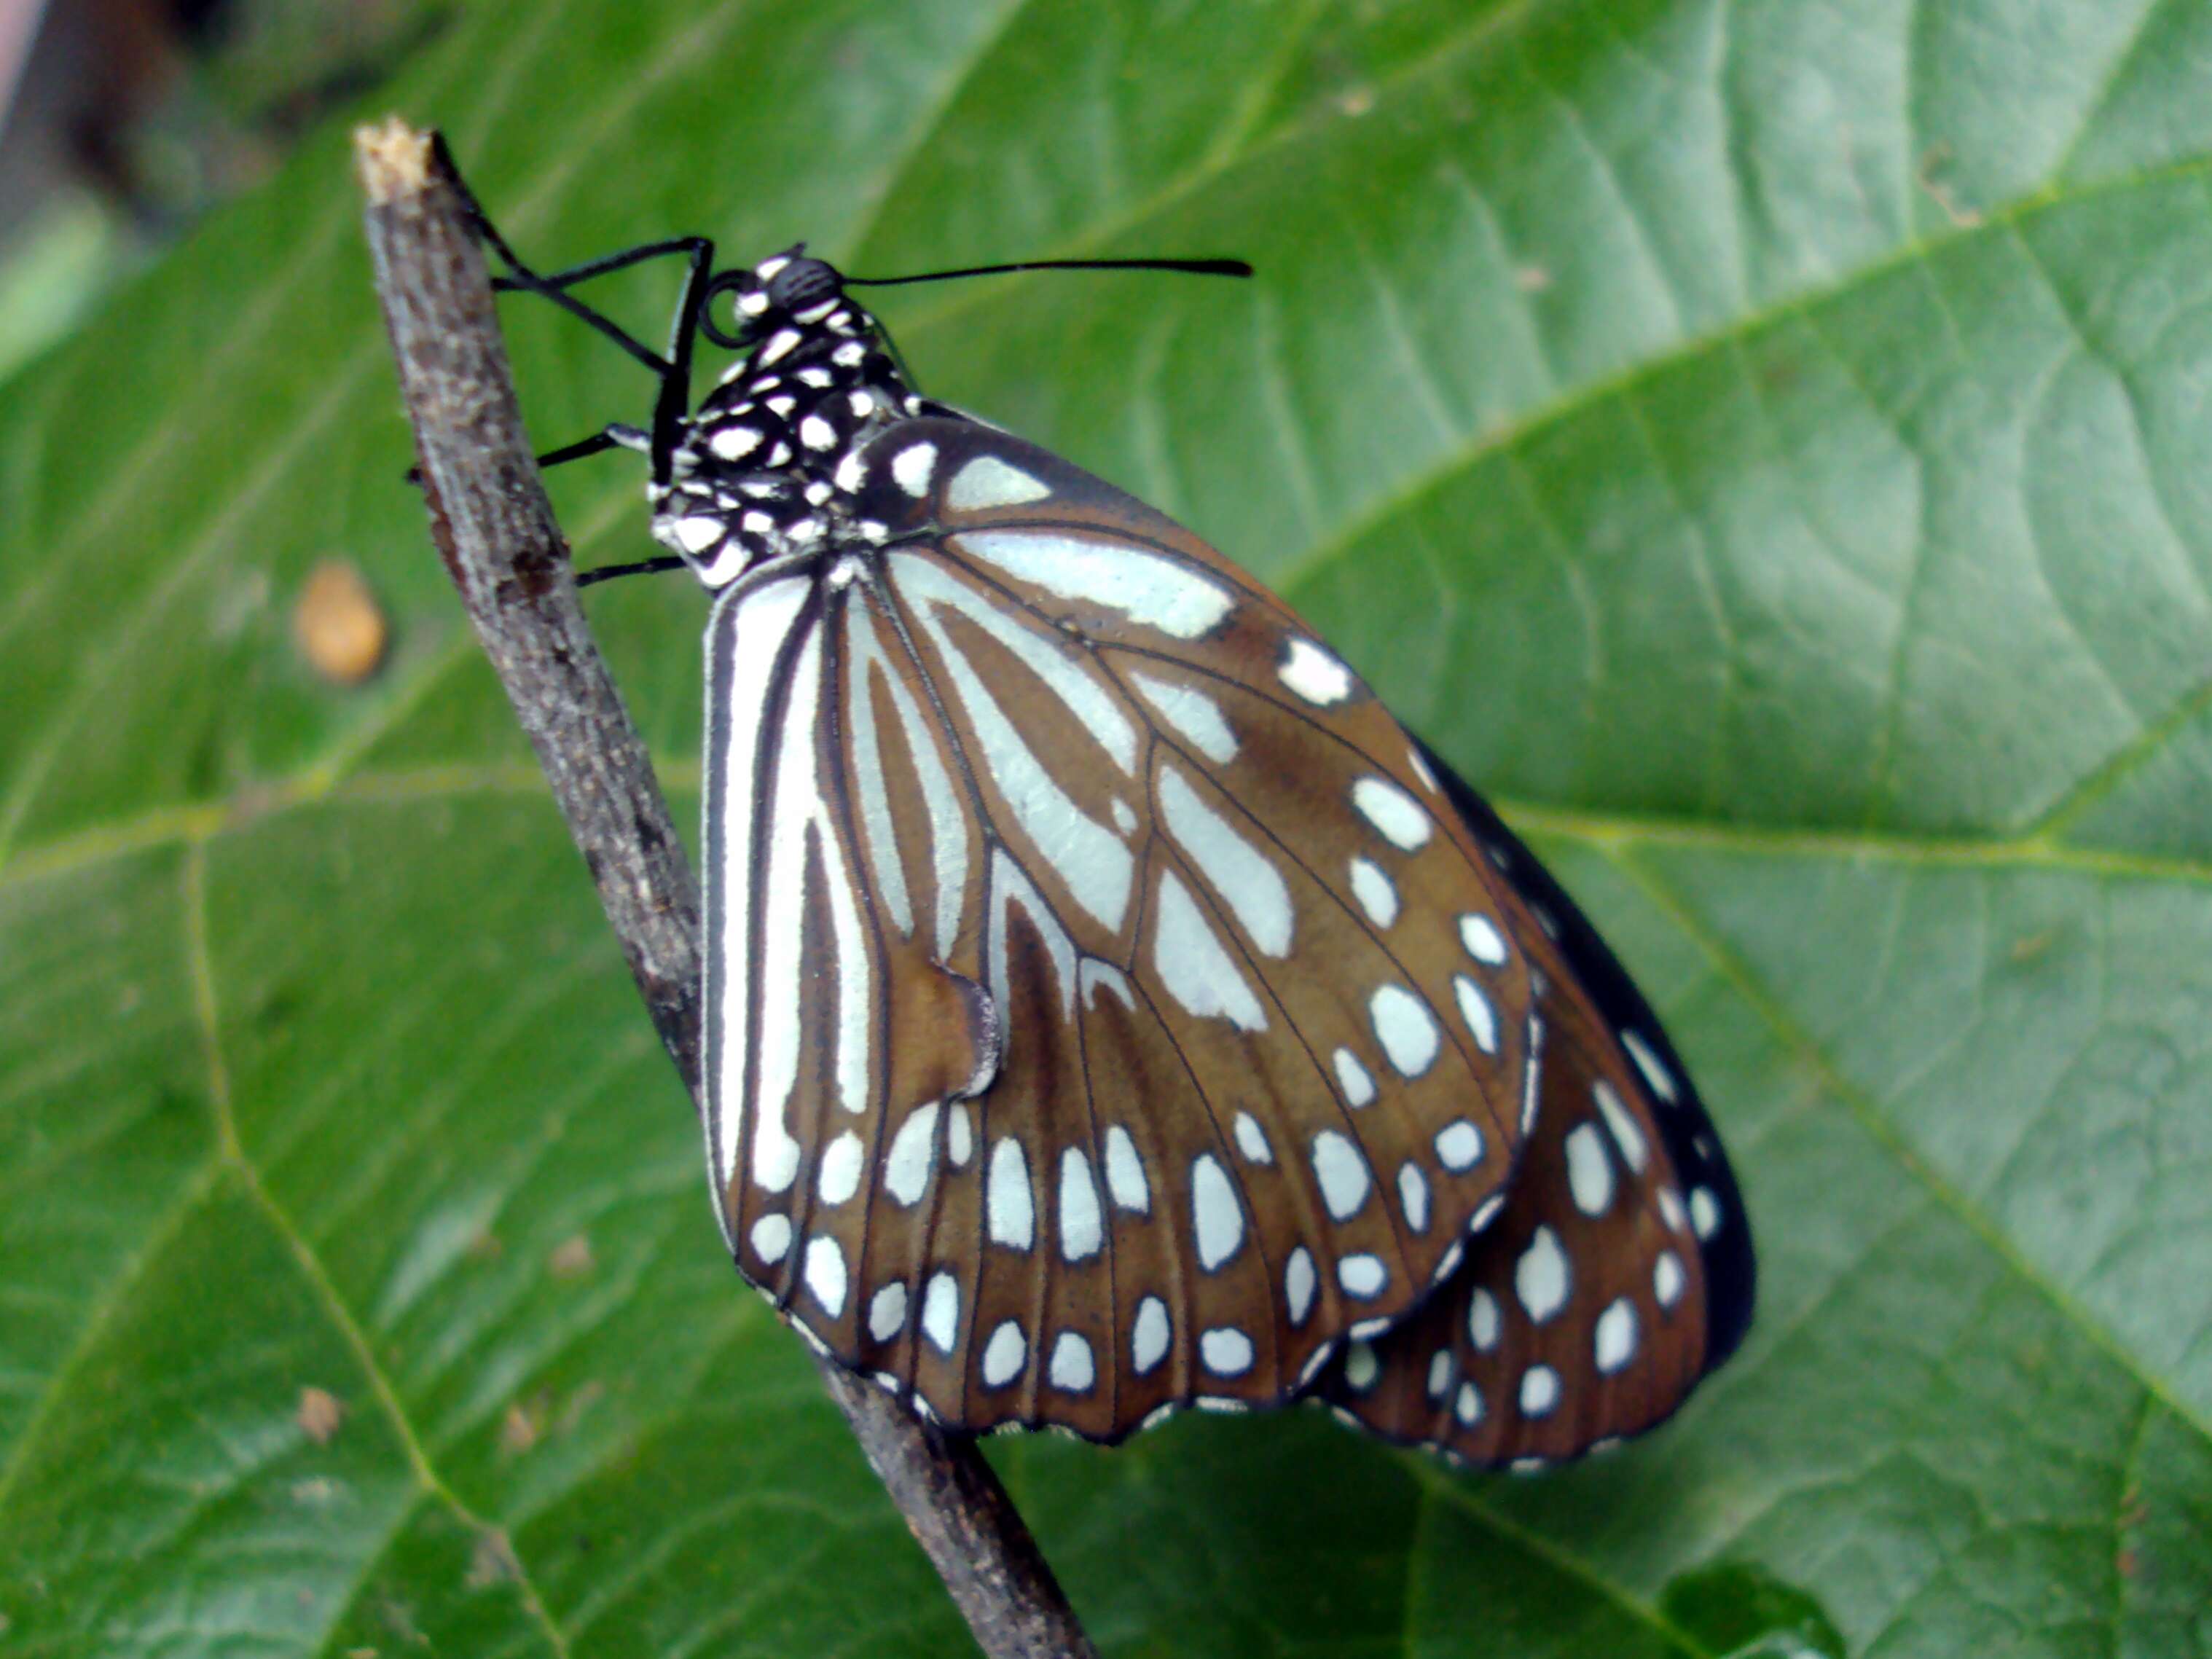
803	284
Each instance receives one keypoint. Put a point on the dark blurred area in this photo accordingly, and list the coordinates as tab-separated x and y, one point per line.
125	119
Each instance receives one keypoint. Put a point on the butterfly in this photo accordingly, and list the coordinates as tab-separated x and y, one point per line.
1109	1007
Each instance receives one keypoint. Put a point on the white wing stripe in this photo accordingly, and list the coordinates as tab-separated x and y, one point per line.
1147	588
1091	859
759	622
1253	888
1075	682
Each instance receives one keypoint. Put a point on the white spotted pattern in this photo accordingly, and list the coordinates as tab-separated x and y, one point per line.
1397	817
1125	1173
1540	1276
940	1310
838	1177
1648	1062
1667	1278
1589	1171
1375	892
1313	674
1413	1195
1459	1145
1484	1322
771	1238
1082	1229
1342	1173
1012	1213
1405	1029
1004	1354
1469	1407
825	1273
912	467
1217	1218
887	1311
1540	1391
1252	1139
1476	1013
1704	1212
1613	1342
988	482
1353	1079
1625	1135
1149	1335
1226	1352
1074	1368
1300	1284
1362	1275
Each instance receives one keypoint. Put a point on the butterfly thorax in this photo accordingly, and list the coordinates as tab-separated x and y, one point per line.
768	465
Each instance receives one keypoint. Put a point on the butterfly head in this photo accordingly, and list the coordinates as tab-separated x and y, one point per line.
765	466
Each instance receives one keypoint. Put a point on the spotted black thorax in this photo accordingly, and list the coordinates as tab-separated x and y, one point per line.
769	463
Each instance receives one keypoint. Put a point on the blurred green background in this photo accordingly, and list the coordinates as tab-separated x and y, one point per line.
1766	445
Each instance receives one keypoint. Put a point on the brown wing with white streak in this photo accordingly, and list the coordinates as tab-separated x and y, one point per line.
1102	1014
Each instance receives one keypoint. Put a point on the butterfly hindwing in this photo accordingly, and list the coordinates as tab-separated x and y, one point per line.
1102	1017
1620	1270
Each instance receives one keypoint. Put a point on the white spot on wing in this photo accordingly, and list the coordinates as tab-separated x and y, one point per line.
825	1273
1012	1210
912	467
838	1177
1483	1322
1405	1029
771	1238
1480	934
1314	673
1633	1151
1362	1275
1539	1277
1397	817
941	1311
1252	1139
1298	1284
1648	1062
987	481
1614	1343
1413	1195
1375	892
1589	1170
1217	1218
1004	1354
1352	1078
906	1166
1667	1279
1226	1352
1540	1391
1475	1012
1459	1145
1081	1226
1072	1368
1125	1172
887	1311
1342	1172
1148	1336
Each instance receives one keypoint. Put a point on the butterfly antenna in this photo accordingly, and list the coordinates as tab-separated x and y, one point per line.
1188	267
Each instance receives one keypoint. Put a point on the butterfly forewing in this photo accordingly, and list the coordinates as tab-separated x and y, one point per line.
1620	1272
1102	1018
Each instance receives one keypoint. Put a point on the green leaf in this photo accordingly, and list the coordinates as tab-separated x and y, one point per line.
1765	444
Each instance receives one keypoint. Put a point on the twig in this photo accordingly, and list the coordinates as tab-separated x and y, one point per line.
495	530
